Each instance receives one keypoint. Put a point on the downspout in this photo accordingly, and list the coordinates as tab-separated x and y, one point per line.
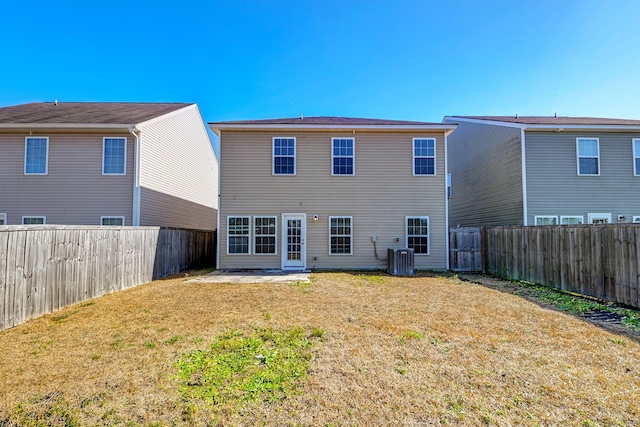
135	220
525	211
446	197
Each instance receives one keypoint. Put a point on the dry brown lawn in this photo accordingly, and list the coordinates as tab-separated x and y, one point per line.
417	351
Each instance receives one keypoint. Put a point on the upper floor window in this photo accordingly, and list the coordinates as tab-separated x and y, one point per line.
342	156
36	156
284	156
34	220
424	156
340	235
264	235
636	157
588	156
418	234
112	220
114	156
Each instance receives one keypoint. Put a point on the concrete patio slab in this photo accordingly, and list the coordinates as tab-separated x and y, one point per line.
254	276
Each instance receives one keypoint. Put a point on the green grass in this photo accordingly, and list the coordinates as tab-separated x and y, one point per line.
262	365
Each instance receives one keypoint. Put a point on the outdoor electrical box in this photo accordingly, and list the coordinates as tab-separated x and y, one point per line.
400	261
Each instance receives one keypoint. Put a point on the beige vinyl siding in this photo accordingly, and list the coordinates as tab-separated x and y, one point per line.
74	191
178	172
379	197
485	163
555	188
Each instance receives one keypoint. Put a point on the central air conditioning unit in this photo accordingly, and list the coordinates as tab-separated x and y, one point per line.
400	261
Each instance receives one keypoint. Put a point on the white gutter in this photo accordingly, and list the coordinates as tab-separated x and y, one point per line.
523	155
121	126
446	197
135	220
217	128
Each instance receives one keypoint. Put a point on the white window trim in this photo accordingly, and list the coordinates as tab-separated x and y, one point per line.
44	219
635	155
253	223
578	157
46	163
102	218
248	235
406	233
3	217
636	218
350	235
592	216
413	153
353	156
104	142
572	217
273	156
535	219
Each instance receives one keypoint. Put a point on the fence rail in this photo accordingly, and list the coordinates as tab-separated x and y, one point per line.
597	260
43	269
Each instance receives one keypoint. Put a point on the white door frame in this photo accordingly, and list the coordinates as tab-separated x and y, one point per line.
302	263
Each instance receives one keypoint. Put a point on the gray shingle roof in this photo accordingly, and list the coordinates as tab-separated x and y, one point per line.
86	112
543	120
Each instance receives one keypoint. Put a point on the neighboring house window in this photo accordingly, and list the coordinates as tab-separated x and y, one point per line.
448	186
114	156
112	220
599	218
340	235
418	234
424	156
636	157
284	156
545	220
588	156
238	235
36	156
34	220
3	219
343	156
264	235
571	219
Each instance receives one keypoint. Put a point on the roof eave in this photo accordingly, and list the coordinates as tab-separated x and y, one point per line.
556	127
124	126
218	127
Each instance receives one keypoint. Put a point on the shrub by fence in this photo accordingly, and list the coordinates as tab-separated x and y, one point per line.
43	269
596	260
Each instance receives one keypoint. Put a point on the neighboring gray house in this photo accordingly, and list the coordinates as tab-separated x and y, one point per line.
508	170
320	192
109	163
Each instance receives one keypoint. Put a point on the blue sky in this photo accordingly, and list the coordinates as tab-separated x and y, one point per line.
411	60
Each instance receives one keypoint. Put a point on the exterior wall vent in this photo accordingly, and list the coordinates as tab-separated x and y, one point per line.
400	261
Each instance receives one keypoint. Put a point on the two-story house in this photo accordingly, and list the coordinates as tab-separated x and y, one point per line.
86	163
331	192
543	170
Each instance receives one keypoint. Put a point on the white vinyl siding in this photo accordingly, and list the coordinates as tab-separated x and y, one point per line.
343	156
545	220
571	219
265	232
340	235
114	156
112	220
636	157
417	236
34	220
424	156
284	156
3	219
239	235
588	150
36	156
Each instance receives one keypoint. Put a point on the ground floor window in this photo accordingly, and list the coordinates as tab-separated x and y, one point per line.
599	218
264	235
571	219
112	220
34	220
340	235
418	234
3	219
545	220
238	230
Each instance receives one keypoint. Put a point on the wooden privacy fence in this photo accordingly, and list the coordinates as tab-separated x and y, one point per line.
45	268
465	249
597	260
